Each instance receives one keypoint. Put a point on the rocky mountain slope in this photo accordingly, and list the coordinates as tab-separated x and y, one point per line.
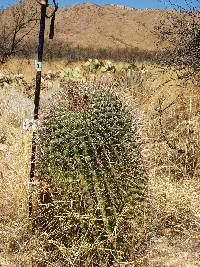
109	26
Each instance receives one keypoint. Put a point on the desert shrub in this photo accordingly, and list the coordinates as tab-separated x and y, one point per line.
91	155
180	29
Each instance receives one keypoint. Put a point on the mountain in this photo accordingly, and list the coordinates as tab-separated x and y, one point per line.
109	26
84	30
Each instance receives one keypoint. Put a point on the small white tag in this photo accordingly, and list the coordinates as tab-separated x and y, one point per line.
38	65
29	125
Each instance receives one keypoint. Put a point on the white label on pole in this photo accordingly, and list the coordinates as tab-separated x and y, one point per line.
38	65
29	125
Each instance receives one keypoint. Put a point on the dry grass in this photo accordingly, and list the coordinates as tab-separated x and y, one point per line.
14	166
26	67
174	222
174	192
171	231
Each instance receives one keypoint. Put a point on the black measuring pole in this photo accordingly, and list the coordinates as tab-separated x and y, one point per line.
44	4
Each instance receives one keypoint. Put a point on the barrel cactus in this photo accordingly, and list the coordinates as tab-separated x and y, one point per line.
92	156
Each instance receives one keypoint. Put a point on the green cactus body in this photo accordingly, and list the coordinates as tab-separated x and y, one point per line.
93	157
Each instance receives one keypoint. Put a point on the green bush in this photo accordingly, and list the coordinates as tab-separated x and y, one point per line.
92	156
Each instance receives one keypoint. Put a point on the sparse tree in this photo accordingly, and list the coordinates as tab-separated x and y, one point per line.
181	29
17	22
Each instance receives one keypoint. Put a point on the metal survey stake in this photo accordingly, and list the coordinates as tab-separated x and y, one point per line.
38	65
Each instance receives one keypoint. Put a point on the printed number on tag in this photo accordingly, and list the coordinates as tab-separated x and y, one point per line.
38	65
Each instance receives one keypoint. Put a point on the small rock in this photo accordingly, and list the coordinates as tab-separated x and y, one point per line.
2	76
3	147
20	76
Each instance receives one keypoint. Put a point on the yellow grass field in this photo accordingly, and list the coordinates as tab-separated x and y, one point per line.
167	109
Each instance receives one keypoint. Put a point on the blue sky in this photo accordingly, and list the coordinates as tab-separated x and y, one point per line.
130	3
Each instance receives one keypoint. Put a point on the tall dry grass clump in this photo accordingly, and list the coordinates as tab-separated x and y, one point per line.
14	166
174	186
170	111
